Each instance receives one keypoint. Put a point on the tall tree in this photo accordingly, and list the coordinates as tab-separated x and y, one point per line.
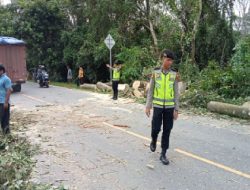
40	25
189	13
148	11
7	20
215	34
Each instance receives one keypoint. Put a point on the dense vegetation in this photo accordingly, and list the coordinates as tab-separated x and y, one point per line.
211	43
16	164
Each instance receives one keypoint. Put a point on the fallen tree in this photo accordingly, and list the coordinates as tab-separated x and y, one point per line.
246	104
89	86
229	109
103	86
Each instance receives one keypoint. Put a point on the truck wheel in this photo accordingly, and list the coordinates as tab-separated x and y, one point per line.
17	88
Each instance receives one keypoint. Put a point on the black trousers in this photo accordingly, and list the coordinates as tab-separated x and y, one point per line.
164	115
80	81
115	88
5	118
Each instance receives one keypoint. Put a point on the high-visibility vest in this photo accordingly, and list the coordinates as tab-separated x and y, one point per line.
164	88
116	74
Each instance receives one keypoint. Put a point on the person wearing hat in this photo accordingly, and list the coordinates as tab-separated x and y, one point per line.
164	98
116	77
5	91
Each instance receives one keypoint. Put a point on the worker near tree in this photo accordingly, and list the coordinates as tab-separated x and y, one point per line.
116	77
164	98
80	78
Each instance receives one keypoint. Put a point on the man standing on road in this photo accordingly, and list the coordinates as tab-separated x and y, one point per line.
5	91
163	94
116	77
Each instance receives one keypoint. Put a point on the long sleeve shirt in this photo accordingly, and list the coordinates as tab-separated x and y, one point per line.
118	68
150	94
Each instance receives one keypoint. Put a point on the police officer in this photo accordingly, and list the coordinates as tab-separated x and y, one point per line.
116	78
163	96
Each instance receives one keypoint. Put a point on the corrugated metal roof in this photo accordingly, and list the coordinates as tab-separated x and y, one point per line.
10	41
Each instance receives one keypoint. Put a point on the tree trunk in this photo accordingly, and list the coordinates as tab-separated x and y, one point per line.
89	86
229	109
151	27
194	32
103	86
182	47
155	41
223	54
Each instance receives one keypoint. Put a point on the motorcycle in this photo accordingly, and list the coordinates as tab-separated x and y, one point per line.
43	78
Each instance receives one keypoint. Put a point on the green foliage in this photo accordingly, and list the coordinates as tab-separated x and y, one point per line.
242	53
228	84
90	56
6	21
135	59
189	72
201	90
240	74
40	25
73	32
16	164
72	43
215	39
211	77
169	34
198	98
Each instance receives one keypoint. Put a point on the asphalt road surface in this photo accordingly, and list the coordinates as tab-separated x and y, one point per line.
88	141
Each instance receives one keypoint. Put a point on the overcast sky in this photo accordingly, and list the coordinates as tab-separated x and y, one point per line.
5	2
236	7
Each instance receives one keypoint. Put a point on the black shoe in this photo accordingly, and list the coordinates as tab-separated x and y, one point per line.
164	159
153	146
6	131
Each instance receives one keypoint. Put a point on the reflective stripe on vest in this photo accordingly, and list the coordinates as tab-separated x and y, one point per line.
164	88
116	74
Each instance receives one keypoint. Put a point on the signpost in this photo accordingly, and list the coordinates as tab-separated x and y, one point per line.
110	42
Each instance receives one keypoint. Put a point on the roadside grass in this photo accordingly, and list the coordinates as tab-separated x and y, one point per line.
74	86
16	163
65	84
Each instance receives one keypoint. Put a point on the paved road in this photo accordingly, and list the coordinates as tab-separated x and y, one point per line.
97	143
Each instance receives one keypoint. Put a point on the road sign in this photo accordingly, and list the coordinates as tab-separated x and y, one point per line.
109	41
